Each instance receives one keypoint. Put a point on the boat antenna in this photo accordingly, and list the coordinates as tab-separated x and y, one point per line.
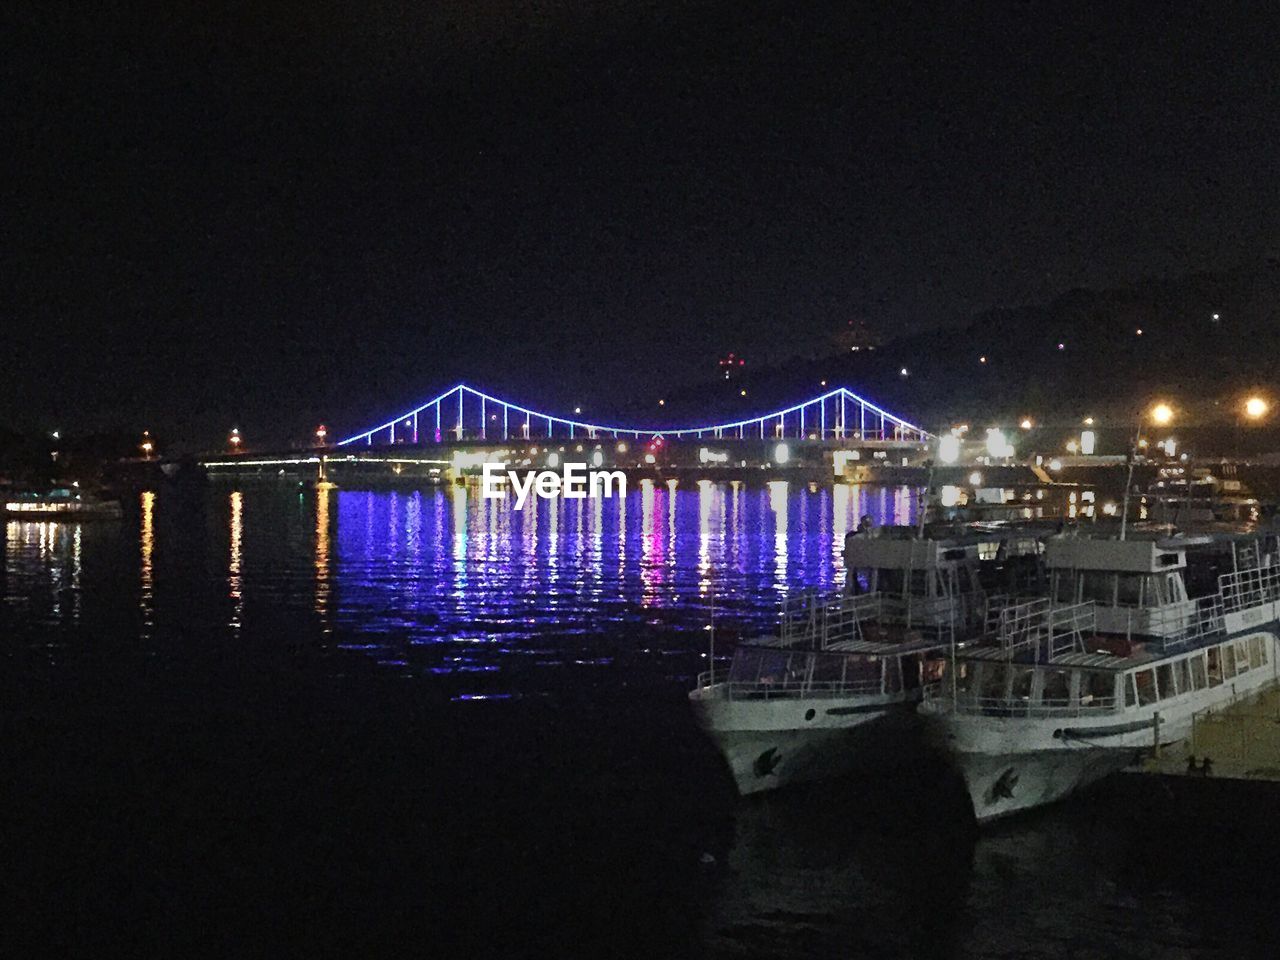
1128	481
924	499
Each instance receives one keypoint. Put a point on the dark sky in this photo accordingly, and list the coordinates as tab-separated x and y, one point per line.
274	214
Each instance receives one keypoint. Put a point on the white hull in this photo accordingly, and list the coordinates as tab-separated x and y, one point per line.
1011	764
770	744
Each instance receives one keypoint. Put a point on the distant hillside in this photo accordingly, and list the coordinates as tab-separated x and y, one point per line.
1104	367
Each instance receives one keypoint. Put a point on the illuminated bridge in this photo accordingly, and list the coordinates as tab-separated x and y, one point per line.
464	413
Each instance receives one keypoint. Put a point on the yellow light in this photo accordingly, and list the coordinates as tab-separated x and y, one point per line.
743	393
1256	407
1088	421
1072	446
1162	413
1026	423
662	403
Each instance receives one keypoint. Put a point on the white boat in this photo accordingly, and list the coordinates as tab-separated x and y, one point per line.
62	504
1115	662
843	674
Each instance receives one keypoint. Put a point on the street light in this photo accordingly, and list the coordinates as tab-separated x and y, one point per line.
1255	408
1161	415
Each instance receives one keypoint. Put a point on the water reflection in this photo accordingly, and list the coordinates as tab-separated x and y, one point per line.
235	583
444	580
146	570
322	557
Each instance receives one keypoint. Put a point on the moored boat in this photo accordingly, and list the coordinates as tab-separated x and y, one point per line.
62	504
839	681
1116	661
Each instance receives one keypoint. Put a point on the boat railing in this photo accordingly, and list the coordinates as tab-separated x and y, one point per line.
818	622
1040	626
969	702
762	673
1245	589
1177	626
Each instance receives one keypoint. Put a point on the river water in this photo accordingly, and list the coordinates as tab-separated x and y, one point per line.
354	722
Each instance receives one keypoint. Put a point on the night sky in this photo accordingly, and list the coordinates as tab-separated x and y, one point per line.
277	214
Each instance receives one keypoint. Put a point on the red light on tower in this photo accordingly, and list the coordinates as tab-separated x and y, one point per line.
321	433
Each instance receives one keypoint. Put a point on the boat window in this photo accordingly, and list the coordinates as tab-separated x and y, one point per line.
1164	674
1064	587
860	670
935	668
993	681
1183	674
1146	680
1099	586
1198	680
1020	688
1215	666
1228	662
1242	656
1257	651
1129	697
910	668
1056	691
1097	688
890	580
892	675
1129	590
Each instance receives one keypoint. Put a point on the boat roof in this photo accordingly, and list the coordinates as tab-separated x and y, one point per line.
872	647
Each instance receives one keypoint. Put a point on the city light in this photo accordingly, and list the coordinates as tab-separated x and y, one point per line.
982	359
949	448
1088	440
1255	408
662	403
235	438
781	453
1072	446
975	478
321	433
1088	421
997	444
1162	414
597	458
1026	423
146	445
1055	464
903	372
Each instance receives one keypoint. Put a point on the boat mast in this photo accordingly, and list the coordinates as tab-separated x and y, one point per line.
1128	482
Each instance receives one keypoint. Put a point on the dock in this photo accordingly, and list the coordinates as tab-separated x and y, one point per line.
1240	742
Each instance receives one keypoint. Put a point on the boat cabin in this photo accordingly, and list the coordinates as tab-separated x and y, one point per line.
849	668
940	580
1078	684
1138	586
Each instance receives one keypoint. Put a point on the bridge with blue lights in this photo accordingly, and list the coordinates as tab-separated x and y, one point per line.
465	413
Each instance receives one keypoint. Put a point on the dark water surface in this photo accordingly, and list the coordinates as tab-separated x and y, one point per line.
281	722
